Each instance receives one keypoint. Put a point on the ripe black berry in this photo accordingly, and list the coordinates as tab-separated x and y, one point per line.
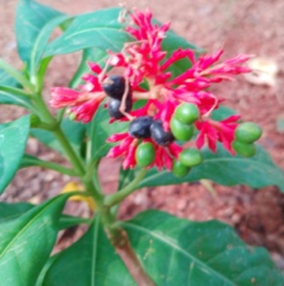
114	86
159	135
140	127
114	105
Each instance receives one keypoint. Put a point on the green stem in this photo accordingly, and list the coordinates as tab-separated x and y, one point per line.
70	153
43	112
116	198
16	75
68	149
50	165
15	90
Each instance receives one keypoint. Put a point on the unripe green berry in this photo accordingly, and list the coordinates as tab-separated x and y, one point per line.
244	149
248	132
145	154
180	170
180	130
190	157
187	113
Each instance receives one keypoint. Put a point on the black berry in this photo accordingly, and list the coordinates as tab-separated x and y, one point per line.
140	127
114	86
159	135
114	105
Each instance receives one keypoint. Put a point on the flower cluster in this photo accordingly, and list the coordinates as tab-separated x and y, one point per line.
147	74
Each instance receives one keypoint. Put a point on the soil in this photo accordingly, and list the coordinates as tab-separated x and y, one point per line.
247	26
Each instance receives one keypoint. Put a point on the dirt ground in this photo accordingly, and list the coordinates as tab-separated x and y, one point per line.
244	26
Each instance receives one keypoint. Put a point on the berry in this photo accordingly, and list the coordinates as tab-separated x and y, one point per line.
187	113
190	157
244	149
114	86
159	135
114	105
180	130
180	170
140	127
248	132
145	154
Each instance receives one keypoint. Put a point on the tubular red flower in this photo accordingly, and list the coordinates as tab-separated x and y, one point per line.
214	131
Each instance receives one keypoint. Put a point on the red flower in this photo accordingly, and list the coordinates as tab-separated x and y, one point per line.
84	101
222	131
145	61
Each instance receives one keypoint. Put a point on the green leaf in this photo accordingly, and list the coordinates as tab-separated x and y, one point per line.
99	130
42	40
6	79
67	221
26	242
90	261
75	132
99	29
222	113
9	211
14	96
225	169
31	17
13	139
10	93
180	252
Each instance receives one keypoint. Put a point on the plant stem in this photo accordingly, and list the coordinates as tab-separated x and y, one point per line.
15	90
129	257
16	75
68	149
49	165
116	198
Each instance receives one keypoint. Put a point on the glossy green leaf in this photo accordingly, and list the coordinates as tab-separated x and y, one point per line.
13	139
180	252
31	17
90	261
98	29
99	130
74	130
225	169
26	243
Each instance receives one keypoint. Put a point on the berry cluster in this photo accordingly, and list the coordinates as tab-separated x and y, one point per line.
114	87
245	136
176	108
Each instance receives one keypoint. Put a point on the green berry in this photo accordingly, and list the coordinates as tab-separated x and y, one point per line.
179	170
145	154
187	113
248	132
190	157
180	130
244	149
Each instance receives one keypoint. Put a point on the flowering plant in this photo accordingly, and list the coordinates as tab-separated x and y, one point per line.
141	94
